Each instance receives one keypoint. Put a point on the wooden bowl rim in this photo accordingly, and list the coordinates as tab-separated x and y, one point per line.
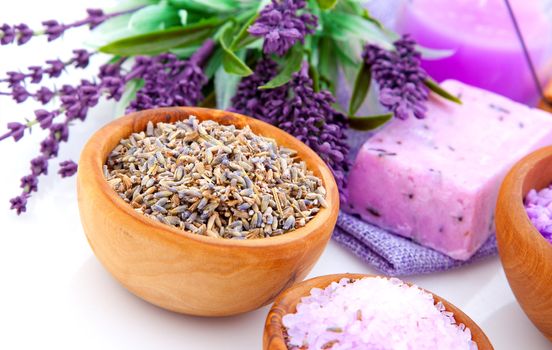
512	191
274	326
92	161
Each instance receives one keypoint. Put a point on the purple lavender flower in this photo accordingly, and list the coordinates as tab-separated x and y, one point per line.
21	33
49	147
44	95
53	29
252	101
17	130
400	78
81	58
55	68
19	203
282	27
7	34
45	118
20	94
60	132
297	109
169	81
15	78
39	165
35	74
67	168
29	183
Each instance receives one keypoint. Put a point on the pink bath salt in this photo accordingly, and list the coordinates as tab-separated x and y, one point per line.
374	313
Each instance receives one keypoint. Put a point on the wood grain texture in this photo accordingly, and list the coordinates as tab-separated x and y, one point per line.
182	271
548	93
273	338
526	256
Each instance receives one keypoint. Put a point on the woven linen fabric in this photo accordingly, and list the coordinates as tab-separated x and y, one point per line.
394	255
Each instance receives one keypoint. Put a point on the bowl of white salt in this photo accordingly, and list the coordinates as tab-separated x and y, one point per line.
357	311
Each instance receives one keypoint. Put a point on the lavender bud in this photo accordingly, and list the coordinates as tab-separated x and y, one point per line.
20	94
39	165
82	58
55	68
15	78
53	29
282	27
59	132
399	77
29	183
49	147
8	34
19	204
36	74
44	95
45	118
67	168
17	130
24	33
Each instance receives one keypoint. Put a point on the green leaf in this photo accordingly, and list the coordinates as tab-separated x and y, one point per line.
327	4
436	88
327	62
185	52
206	5
242	35
111	30
226	86
155	17
215	61
230	61
292	63
369	122
131	88
163	40
361	88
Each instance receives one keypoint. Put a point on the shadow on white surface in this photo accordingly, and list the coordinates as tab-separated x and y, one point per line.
511	320
117	319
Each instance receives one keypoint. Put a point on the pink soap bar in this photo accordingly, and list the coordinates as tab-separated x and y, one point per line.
436	180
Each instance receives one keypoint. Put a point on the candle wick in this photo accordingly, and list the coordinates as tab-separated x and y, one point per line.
527	54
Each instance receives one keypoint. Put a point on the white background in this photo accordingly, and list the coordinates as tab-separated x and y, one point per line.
54	294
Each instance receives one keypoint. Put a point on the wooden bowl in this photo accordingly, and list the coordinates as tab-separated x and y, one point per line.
526	256
186	272
286	303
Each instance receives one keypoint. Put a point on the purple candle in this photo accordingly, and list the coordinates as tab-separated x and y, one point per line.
488	53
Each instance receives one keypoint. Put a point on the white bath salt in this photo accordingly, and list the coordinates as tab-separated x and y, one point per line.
373	313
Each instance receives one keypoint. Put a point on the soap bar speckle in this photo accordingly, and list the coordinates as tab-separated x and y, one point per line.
452	162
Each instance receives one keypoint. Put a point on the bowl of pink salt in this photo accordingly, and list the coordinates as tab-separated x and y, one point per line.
524	235
357	311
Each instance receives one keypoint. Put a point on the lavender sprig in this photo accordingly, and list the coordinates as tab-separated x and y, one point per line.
182	79
169	81
52	29
282	27
400	78
297	109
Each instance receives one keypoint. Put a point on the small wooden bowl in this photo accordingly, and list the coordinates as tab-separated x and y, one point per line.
286	303
526	256
182	271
